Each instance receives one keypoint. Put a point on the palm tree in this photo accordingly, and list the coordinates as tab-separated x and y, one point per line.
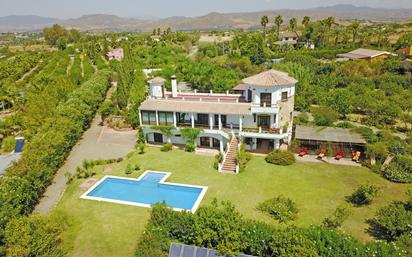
278	22
293	23
328	23
336	33
306	21
264	21
354	28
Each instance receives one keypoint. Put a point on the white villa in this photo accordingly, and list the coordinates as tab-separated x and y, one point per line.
259	113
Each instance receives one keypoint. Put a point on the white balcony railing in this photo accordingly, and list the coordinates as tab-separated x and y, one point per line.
257	108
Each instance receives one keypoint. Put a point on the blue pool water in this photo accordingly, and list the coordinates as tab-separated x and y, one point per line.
147	190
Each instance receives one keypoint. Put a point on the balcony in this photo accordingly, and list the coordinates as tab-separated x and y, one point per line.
265	109
262	130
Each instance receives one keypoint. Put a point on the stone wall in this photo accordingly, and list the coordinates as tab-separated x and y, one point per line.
286	108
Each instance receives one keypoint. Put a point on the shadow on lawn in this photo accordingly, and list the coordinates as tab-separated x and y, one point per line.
376	230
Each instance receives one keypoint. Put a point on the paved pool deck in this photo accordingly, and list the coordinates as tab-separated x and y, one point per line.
98	142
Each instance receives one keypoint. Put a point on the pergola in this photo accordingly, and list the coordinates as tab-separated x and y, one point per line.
319	137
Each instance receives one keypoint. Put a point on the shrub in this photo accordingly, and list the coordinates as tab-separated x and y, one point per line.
8	144
394	220
280	157
218	159
280	208
399	170
141	138
364	194
34	235
242	158
190	147
255	236
106	109
302	118
142	147
367	133
324	116
167	147
291	242
344	124
218	226
340	214
128	169
153	242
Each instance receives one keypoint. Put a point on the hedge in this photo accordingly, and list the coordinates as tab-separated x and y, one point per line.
25	182
222	227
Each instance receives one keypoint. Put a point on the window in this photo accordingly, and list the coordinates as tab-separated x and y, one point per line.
284	96
274	118
264	121
148	117
265	99
202	119
222	117
166	118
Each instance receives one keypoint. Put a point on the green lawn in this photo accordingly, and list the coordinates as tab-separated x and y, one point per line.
107	229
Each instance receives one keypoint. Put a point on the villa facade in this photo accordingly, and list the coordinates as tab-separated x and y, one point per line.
259	113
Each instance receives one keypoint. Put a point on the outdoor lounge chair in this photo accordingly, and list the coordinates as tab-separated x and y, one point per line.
340	155
321	153
356	156
303	151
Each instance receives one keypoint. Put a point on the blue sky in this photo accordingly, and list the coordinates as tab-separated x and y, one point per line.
166	8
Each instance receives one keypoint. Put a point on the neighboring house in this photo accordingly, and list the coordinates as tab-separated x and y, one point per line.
366	54
115	54
156	38
288	38
407	51
8	160
260	113
181	250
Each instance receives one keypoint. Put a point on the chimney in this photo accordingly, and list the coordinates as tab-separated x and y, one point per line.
174	86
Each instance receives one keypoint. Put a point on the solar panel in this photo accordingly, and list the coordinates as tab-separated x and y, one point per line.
181	250
188	251
201	252
175	250
212	253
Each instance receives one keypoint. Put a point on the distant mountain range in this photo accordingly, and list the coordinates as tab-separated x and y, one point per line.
250	20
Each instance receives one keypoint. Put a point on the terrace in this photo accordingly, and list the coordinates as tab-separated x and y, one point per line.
206	97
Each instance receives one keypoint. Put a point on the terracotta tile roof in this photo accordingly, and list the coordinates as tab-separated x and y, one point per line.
157	80
270	78
195	106
288	34
363	53
240	87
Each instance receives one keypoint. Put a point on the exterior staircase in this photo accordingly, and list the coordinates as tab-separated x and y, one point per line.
229	164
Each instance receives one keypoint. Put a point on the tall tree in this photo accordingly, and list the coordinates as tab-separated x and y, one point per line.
278	22
264	22
306	21
328	23
54	33
293	23
354	28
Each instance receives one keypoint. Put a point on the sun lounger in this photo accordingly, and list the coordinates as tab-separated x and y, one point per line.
356	156
340	155
303	151
321	153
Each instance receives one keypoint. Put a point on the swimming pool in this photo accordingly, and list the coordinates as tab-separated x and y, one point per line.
147	190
